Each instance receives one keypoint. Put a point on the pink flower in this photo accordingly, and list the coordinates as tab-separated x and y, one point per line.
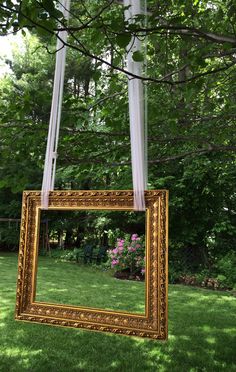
115	250
120	244
134	237
114	262
131	249
138	245
143	271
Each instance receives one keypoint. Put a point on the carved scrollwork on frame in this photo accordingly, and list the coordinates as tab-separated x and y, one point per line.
153	323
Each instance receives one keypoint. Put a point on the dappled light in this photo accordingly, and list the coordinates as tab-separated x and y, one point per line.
81	285
83	262
201	337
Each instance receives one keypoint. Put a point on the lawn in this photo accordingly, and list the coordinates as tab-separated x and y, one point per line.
202	336
83	285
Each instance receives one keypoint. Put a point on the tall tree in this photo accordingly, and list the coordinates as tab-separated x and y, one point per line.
191	98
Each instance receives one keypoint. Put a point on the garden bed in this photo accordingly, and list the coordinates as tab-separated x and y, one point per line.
209	283
127	275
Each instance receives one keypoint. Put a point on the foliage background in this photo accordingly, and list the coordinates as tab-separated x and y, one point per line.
191	116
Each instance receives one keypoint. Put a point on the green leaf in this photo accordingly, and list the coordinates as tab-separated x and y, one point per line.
54	12
138	56
116	60
23	33
96	75
123	40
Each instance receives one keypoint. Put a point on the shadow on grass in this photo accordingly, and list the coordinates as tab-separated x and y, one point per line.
84	285
201	337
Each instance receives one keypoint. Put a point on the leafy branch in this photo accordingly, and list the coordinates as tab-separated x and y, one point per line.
81	48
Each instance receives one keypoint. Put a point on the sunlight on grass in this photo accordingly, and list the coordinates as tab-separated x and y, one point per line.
202	328
15	351
24	355
211	340
84	285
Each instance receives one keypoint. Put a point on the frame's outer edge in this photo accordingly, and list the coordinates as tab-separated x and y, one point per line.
21	255
166	260
126	324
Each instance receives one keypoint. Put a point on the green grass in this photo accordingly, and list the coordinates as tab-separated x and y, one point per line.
83	285
202	331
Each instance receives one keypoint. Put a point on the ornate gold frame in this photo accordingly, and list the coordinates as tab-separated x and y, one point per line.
153	323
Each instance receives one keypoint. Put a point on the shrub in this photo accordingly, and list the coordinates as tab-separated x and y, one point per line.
128	255
9	237
226	270
174	274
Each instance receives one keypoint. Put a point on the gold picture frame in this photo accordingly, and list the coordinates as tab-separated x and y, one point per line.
153	323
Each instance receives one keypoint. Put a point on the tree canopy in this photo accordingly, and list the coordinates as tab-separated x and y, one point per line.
190	77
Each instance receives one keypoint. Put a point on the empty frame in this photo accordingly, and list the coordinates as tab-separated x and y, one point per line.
151	321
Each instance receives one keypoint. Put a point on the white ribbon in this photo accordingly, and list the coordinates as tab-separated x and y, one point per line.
55	116
136	112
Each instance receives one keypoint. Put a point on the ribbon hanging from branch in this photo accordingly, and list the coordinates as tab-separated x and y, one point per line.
136	111
55	116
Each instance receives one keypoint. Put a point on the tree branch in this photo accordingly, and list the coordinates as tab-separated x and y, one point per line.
192	31
197	152
89	54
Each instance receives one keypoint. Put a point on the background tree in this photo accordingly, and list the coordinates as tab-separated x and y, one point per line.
191	103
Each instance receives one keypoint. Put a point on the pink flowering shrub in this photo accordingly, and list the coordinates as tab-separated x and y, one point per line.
128	255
